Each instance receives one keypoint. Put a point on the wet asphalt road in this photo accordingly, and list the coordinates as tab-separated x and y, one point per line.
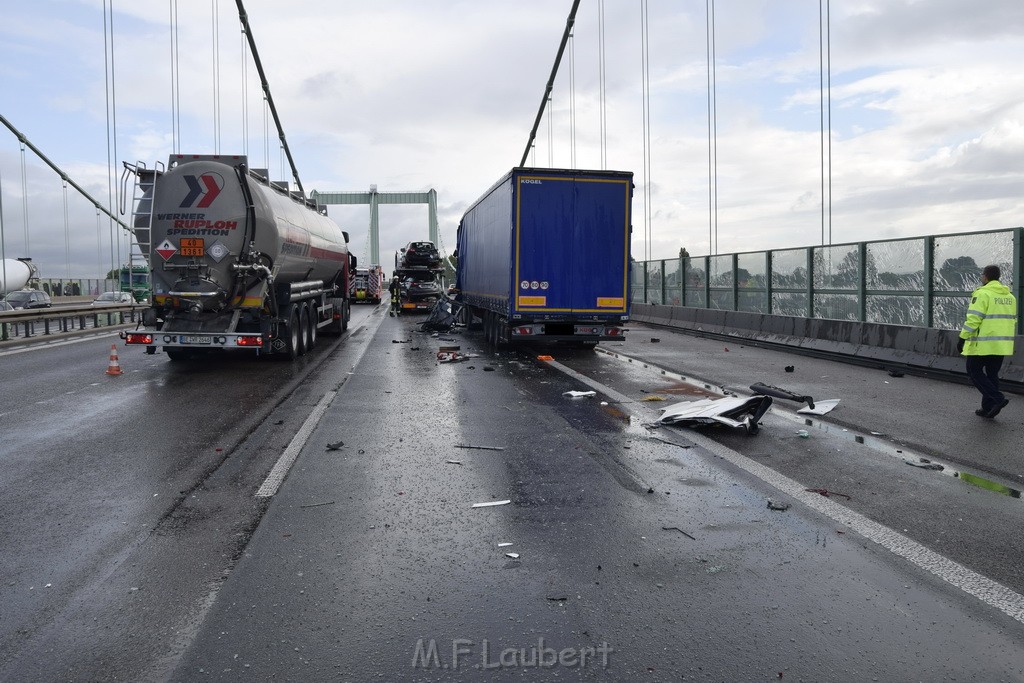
370	563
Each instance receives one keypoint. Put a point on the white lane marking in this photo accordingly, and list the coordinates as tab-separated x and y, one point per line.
49	345
991	593
280	470
287	459
988	591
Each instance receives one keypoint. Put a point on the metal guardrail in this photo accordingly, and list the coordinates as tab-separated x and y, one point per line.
29	324
917	281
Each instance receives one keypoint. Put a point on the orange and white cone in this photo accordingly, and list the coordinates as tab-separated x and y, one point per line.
114	368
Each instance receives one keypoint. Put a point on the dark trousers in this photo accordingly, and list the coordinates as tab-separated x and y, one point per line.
984	372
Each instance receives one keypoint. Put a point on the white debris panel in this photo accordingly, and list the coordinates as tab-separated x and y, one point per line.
731	411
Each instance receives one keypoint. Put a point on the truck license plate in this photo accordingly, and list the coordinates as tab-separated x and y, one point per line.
195	339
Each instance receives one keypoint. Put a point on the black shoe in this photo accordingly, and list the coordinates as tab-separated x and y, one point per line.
981	412
995	411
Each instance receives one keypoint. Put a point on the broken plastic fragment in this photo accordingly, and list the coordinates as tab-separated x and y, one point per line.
820	407
803	434
579	394
504	545
514	556
491	503
781	507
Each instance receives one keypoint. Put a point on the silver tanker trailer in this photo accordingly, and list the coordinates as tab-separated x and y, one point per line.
236	262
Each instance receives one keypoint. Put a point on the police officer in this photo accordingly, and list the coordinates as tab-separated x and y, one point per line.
395	288
987	338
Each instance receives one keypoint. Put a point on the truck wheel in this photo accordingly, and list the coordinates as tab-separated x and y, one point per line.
303	328
311	335
178	355
293	343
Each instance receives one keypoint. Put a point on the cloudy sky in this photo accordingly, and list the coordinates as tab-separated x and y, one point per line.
926	119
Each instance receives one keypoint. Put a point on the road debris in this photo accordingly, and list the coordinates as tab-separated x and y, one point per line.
514	556
504	544
480	448
803	434
781	507
655	340
925	465
400	341
316	505
491	503
827	493
671	443
675	528
729	411
790	368
821	407
335	446
453	462
895	373
579	394
653	398
777	392
557	598
444	356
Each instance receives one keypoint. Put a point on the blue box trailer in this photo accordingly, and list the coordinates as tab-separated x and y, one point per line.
544	256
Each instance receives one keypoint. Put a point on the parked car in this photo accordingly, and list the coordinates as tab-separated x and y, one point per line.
422	254
113	299
28	298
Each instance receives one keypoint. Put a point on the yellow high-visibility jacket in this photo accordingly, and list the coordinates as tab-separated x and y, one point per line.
991	321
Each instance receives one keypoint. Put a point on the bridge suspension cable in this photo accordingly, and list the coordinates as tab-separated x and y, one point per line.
551	79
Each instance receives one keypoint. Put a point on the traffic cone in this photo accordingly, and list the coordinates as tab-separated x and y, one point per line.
114	368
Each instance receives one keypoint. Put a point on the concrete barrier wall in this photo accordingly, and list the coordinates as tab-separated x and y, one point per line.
870	342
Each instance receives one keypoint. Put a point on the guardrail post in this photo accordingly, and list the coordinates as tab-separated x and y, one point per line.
810	282
862	282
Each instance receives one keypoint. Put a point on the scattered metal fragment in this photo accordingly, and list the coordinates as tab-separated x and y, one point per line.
335	446
895	373
491	503
655	340
480	448
827	493
514	556
579	394
781	507
488	368
769	390
804	434
504	544
400	341
557	598
453	462
675	528
316	505
730	411
820	408
925	465
671	443
790	368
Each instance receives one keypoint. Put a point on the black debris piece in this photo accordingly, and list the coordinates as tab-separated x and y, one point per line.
769	390
335	446
675	528
655	340
790	368
781	507
895	373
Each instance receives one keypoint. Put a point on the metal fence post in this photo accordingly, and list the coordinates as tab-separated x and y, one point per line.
929	280
810	282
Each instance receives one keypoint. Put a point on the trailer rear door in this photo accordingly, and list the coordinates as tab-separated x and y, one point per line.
572	246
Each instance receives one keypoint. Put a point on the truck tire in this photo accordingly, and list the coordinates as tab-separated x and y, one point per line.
178	355
313	320
293	337
303	328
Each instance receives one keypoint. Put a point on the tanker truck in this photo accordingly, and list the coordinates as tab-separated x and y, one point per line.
237	262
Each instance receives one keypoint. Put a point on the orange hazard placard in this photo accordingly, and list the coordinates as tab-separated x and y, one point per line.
533	301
